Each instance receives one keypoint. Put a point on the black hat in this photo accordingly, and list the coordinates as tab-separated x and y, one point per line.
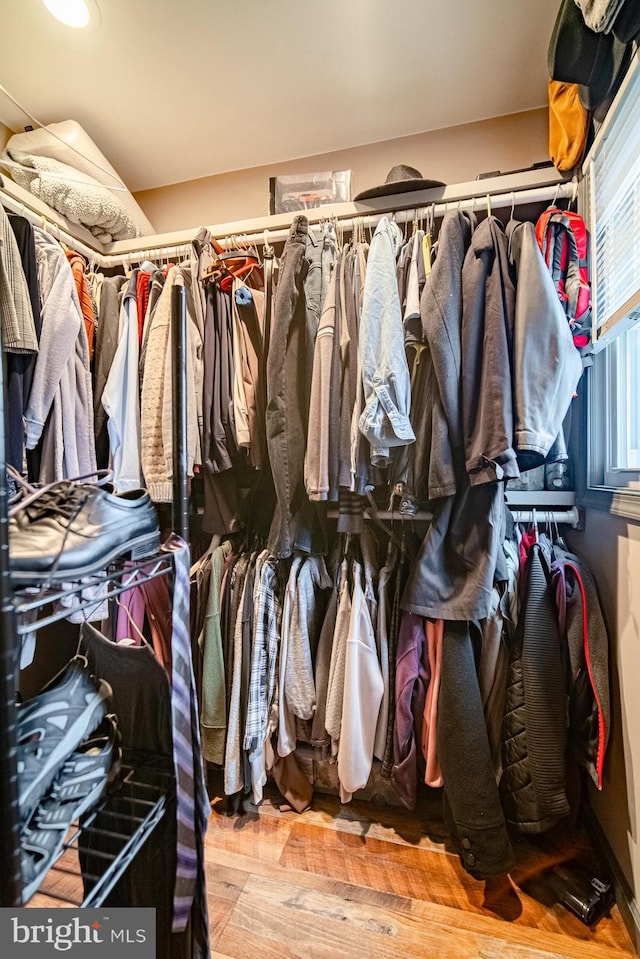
603	90
579	55
626	26
400	179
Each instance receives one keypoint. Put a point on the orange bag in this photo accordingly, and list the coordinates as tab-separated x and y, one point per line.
568	125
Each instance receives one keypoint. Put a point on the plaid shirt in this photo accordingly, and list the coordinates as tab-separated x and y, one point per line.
18	328
269	590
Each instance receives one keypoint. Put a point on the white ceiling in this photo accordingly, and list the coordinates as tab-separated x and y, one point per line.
171	90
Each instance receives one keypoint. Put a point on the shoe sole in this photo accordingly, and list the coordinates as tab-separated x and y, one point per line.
83	806
85	724
136	549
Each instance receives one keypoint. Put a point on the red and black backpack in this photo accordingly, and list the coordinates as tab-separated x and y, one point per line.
563	238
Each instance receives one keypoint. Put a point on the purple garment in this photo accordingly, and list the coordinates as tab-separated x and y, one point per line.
152	599
412	679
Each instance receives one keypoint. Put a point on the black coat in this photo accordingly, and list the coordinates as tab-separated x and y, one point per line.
535	725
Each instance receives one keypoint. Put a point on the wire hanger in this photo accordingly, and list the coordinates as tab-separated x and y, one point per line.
574	192
134	625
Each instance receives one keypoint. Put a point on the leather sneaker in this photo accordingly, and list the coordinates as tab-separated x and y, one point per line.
69	530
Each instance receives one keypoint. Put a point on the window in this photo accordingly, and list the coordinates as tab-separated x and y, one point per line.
611	191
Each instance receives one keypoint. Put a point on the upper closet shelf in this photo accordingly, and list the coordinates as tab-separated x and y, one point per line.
532	186
18	200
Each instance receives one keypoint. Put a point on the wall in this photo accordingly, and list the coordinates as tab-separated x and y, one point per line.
611	547
5	133
454	155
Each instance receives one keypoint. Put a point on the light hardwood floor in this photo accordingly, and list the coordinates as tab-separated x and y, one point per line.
365	882
347	882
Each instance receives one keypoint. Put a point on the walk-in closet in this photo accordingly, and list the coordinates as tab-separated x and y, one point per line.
319	478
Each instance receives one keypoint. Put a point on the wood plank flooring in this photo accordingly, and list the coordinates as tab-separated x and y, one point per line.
354	881
340	882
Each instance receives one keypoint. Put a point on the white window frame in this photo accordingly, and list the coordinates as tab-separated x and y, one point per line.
604	484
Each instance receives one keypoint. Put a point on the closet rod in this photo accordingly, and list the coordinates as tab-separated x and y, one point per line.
569	517
477	203
542	514
253	230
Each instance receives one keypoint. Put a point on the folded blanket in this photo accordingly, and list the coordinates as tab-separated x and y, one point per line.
68	142
76	195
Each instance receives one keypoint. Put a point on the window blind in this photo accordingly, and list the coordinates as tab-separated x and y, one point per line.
613	173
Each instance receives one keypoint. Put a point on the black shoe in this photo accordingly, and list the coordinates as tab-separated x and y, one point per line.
79	785
51	725
69	530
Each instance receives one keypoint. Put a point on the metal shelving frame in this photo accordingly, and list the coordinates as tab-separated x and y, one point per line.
151	807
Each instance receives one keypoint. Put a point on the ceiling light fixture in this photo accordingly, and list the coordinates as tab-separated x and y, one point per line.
73	13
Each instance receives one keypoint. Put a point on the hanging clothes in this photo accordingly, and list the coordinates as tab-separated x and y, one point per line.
287	388
337	665
219	444
387	395
434	636
121	396
472	807
581	620
546	365
321	439
21	365
261	721
156	451
105	348
454	576
533	780
78	265
363	689
213	705
411	680
249	386
61	383
18	328
488	314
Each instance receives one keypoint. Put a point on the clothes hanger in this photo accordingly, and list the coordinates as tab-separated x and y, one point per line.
574	193
134	625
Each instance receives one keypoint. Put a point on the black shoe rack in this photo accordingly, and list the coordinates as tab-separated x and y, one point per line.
138	800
